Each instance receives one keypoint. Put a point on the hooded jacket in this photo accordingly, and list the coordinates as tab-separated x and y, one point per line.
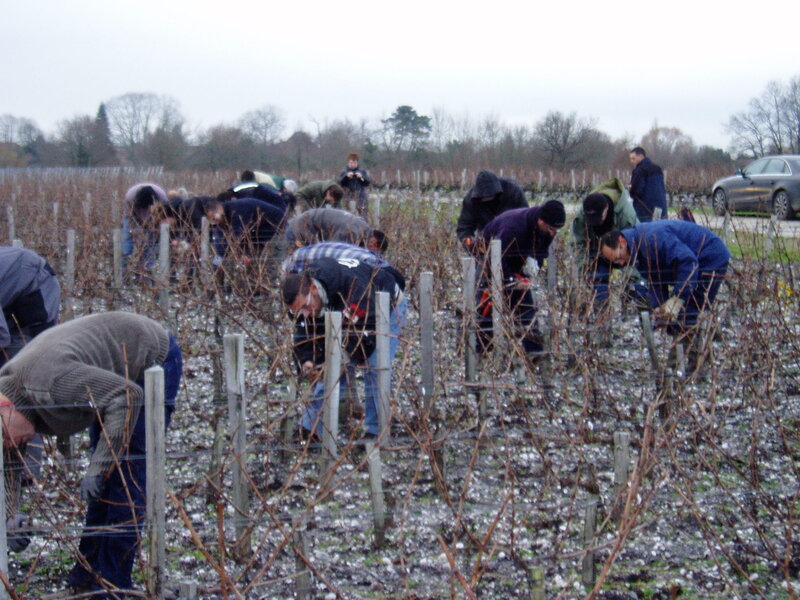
476	211
587	239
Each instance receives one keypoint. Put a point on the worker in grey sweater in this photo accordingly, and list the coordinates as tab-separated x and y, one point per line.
89	372
30	297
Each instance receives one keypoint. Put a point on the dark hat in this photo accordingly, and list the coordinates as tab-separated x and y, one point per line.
552	213
487	185
593	207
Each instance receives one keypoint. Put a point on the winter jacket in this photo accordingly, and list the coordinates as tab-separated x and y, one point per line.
313	193
517	230
73	373
306	255
252	189
273	181
675	253
249	221
138	214
648	191
327	225
354	188
29	291
587	239
506	194
349	287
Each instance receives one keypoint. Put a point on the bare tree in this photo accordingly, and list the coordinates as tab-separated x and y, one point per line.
791	114
668	145
563	139
18	130
75	137
771	123
265	125
133	116
224	147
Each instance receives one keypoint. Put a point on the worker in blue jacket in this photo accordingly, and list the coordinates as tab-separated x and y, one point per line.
683	263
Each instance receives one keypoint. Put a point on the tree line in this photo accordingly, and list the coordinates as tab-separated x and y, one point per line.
144	129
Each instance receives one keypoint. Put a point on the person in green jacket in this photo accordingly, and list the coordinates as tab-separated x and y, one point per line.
317	194
608	206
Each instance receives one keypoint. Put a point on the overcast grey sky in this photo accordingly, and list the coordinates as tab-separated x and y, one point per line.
687	64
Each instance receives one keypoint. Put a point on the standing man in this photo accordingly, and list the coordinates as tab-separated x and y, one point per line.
683	263
30	297
89	372
523	232
487	198
647	186
347	285
355	181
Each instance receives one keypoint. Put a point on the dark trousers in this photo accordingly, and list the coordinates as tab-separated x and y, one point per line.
701	299
520	302
110	555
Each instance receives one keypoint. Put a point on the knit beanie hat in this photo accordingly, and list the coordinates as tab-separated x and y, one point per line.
593	207
553	213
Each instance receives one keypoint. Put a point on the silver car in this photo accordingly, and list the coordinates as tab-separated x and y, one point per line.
767	185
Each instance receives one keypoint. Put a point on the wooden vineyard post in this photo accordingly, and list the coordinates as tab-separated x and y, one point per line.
156	480
426	336
12	229
333	375
233	344
69	276
589	528
205	253
384	367
302	578
163	269
622	462
470	352
498	297
3	529
376	492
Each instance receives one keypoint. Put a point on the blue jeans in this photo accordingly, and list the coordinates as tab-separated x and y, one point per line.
146	238
111	555
311	415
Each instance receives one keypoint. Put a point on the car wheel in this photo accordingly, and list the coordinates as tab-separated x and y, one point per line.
782	206
719	202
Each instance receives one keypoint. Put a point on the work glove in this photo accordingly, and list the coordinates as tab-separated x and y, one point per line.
18	535
670	310
91	487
